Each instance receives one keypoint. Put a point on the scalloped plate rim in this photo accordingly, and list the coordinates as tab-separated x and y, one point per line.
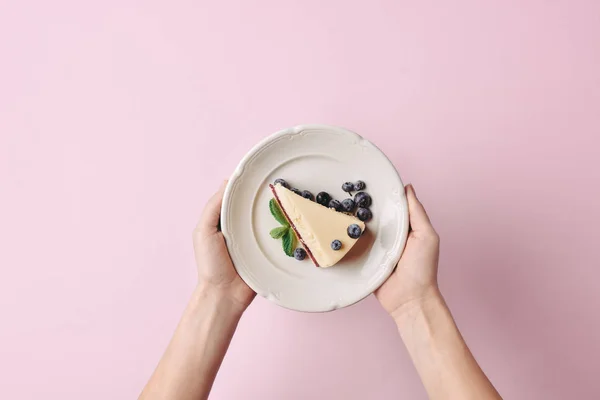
295	130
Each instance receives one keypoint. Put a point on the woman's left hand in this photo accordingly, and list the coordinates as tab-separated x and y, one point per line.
216	273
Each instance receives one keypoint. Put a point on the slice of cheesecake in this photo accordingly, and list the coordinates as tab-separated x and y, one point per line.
317	226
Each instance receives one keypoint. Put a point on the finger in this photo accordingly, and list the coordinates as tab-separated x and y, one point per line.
212	212
419	221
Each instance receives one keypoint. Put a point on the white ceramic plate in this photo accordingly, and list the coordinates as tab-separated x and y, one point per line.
316	158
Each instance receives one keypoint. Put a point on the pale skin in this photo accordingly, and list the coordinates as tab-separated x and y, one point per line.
411	297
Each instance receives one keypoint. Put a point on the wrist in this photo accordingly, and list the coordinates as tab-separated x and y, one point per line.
219	299
428	301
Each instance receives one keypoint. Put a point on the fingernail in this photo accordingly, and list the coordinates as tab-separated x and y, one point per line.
411	188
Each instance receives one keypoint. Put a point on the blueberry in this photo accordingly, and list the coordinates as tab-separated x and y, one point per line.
359	185
323	198
282	183
364	214
354	231
299	254
348	205
348	187
336	245
362	199
307	195
335	204
297	191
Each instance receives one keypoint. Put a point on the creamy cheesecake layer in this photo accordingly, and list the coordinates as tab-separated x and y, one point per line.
318	226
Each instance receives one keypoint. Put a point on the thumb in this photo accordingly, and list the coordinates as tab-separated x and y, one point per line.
419	220
212	213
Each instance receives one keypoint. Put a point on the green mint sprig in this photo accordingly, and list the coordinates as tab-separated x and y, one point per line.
283	232
277	233
277	213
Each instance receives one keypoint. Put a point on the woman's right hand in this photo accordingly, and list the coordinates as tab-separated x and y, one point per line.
415	277
411	296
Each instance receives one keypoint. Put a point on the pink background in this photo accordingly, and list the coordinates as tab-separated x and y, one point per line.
119	118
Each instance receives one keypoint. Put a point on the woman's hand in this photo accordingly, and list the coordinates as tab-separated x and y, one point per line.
188	368
415	277
216	273
411	296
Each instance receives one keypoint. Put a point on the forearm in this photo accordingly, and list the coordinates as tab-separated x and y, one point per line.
192	359
443	360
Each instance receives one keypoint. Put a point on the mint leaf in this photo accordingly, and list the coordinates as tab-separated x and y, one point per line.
289	242
277	213
278	232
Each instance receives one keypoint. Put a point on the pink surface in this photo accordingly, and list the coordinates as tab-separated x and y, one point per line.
119	118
